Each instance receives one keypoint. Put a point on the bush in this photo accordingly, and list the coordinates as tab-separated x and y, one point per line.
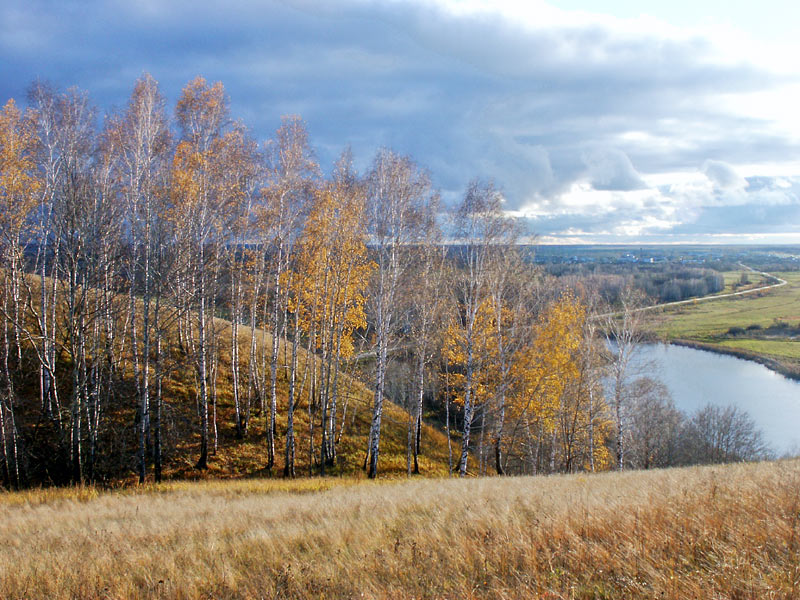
779	323
720	434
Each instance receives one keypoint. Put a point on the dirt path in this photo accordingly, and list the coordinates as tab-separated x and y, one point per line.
781	282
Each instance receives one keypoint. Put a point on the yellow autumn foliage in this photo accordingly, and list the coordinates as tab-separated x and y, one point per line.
332	270
19	185
540	379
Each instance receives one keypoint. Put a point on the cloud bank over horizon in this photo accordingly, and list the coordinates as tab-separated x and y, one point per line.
598	127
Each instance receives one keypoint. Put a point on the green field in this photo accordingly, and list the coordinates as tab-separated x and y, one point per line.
709	322
776	348
733	278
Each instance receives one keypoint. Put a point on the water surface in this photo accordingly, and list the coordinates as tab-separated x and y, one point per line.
697	377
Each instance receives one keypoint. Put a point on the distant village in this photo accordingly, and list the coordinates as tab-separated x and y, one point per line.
620	255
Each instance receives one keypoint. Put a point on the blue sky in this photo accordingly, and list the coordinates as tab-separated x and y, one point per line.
638	122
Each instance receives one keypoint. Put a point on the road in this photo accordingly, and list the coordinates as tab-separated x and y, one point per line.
781	282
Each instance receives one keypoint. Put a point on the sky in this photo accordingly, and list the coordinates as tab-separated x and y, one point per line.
627	121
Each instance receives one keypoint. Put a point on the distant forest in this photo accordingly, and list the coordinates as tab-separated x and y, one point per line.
166	279
660	282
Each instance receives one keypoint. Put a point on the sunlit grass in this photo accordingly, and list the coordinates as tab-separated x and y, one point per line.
231	457
209	487
706	321
724	532
782	348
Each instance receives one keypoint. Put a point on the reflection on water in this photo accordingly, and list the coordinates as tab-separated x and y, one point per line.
696	378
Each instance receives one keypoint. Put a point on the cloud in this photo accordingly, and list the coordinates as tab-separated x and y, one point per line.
540	99
612	170
723	176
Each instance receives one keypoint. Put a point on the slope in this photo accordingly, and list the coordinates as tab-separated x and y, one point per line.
44	443
700	532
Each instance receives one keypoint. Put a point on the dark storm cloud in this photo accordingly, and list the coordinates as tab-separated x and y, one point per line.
755	218
758	205
467	95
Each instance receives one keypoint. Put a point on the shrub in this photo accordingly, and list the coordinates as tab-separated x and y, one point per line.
778	323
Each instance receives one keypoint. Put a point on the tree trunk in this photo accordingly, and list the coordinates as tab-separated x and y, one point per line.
273	363
468	410
377	410
288	466
202	462
447	421
418	409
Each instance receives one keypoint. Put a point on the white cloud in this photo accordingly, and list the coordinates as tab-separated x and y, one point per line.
723	176
611	169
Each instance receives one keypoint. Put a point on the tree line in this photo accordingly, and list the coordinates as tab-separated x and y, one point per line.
663	436
660	282
157	261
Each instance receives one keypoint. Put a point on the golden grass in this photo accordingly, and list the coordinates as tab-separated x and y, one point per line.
704	532
247	457
211	487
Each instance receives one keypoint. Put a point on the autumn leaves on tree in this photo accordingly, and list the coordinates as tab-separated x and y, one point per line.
158	261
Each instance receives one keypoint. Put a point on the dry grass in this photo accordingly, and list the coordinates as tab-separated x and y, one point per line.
712	532
247	457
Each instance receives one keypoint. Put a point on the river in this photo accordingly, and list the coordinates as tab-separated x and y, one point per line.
696	378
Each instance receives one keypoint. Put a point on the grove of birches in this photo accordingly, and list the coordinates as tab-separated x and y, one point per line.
168	281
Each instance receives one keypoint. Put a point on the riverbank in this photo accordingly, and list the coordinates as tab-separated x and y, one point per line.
740	325
788	370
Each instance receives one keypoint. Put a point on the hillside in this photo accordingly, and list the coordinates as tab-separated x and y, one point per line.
246	458
230	457
702	532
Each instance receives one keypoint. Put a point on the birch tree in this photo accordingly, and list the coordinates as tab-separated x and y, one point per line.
399	193
479	228
75	197
46	108
424	313
202	114
293	172
19	190
623	332
237	172
508	287
142	139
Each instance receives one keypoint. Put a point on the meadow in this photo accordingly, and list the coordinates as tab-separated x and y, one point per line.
710	323
701	532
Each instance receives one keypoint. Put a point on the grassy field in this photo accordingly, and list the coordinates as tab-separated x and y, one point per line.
784	348
710	319
706	532
710	322
733	281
